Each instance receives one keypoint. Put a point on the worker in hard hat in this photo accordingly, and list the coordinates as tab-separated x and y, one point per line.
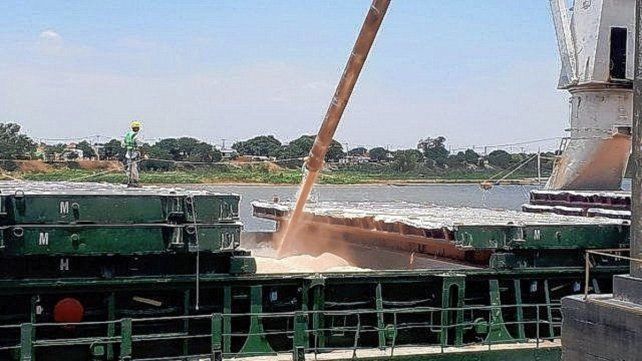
132	155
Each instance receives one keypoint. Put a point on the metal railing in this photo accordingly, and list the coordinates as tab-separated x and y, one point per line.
611	253
430	327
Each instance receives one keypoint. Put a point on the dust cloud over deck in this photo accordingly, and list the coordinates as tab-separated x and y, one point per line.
419	236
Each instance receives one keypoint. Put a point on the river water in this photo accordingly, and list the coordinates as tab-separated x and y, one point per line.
456	195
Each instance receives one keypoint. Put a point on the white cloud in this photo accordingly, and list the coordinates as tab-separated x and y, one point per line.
50	35
50	43
284	100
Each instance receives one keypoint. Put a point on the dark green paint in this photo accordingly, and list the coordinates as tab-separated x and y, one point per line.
118	208
56	240
497	332
544	236
26	342
125	339
256	344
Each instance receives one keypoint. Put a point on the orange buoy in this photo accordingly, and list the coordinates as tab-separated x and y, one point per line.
486	185
68	310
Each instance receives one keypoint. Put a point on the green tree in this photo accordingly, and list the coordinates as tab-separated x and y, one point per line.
301	146
166	149
406	160
267	146
335	151
434	149
203	152
71	155
358	151
155	151
187	148
499	158
456	160
471	157
154	163
13	144
87	150
114	149
298	148
50	151
378	154
184	149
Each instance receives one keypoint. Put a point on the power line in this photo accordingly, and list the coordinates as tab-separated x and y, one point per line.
515	144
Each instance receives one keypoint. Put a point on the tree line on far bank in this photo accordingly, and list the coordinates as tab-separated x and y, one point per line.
430	156
15	145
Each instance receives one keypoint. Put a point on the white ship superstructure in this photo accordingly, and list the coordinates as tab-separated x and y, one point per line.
596	44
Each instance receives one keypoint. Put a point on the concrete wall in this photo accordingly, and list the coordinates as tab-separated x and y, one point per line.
601	329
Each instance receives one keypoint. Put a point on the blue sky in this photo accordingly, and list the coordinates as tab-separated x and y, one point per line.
476	72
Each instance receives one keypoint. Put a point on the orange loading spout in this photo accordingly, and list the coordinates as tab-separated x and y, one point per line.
324	137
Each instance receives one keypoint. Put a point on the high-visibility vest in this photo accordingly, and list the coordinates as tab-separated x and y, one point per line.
130	140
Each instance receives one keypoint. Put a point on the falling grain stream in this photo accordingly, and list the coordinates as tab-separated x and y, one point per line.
314	162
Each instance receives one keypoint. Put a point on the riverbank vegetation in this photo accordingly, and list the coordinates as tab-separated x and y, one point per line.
257	175
262	159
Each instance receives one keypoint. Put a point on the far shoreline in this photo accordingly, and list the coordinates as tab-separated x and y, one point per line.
399	183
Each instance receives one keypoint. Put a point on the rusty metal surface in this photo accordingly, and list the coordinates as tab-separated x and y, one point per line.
346	85
478	237
593	163
582	203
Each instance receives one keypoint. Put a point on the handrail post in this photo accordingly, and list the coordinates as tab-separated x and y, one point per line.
586	274
381	332
217	337
491	312
357	334
227	319
394	336
299	338
537	328
111	326
126	339
26	342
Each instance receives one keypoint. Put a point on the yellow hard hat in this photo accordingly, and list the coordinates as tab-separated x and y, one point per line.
135	124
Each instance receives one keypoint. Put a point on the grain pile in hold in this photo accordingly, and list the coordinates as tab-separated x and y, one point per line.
267	261
326	262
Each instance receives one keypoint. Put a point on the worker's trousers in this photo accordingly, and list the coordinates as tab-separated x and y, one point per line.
131	170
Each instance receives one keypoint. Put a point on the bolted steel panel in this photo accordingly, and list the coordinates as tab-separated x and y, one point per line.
541	236
42	203
121	239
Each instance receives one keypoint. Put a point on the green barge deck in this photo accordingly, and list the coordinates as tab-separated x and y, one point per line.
80	282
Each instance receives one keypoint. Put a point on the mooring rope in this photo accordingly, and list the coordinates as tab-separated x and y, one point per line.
180	162
509	173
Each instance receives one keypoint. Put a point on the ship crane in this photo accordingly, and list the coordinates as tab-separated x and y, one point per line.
596	41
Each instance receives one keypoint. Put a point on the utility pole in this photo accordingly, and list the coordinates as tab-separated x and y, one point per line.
636	149
223	143
539	166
